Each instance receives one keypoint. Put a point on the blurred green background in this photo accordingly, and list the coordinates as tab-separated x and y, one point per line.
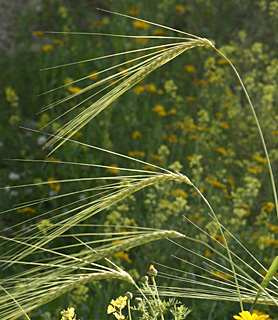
190	115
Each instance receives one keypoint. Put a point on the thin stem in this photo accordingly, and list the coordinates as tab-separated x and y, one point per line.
158	299
226	245
258	126
128	308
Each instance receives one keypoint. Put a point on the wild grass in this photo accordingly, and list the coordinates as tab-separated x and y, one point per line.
47	246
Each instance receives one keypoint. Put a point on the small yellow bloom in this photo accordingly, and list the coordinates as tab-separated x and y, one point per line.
246	208
246	315
58	41
255	169
138	89
159	91
190	69
273	228
54	184
26	209
275	133
225	105
173	138
141	25
191	99
224	61
180	9
159	109
47	47
259	159
179	193
123	256
158	32
94	75
136	134
207	253
222	151
220	275
193	137
113	169
149	167
213	181
136	153
37	33
268	206
74	89
224	125
151	88
156	157
110	309
133	11
172	111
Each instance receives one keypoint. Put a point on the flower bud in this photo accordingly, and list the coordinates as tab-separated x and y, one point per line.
129	295
138	300
152	271
145	279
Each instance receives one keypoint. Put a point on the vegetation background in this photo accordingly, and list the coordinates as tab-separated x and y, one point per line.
189	115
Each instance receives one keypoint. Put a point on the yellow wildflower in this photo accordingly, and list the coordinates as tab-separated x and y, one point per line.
141	25
159	109
213	181
224	61
172	111
179	193
224	125
222	151
133	11
173	138
52	159
136	153
275	133
149	167
26	209
74	89
192	99
47	47
259	159
136	134
110	309
246	208
37	33
54	184
94	75
259	313
190	69
230	179
225	105
159	91
180	9
156	157
268	206
273	228
58	41
246	315
138	89
220	275
207	253
123	256
141	41
11	96
158	32
151	88
255	169
113	169
193	137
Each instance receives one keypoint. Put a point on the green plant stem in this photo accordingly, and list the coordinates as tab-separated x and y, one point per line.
226	245
143	295
128	308
258	126
158	299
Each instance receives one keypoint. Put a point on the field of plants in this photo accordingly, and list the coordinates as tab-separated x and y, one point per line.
138	153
